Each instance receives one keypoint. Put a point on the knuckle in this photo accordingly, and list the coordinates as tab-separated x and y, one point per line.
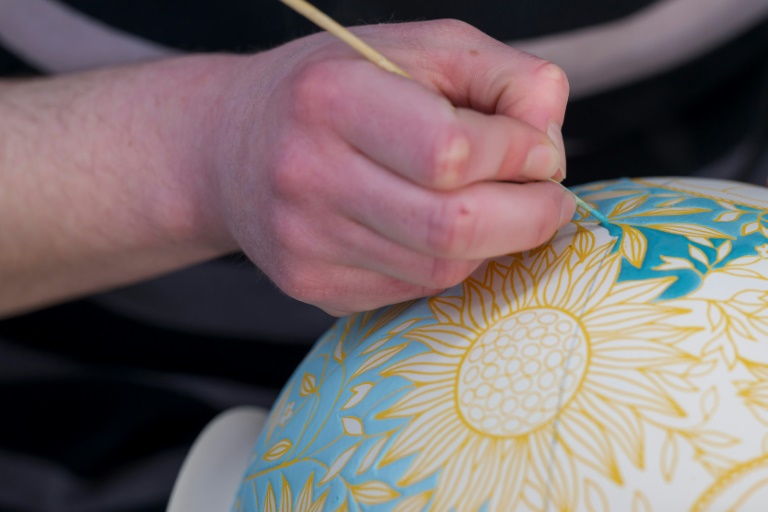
451	227
286	176
314	87
453	27
553	73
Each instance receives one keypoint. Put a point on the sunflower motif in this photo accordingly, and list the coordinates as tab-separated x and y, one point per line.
283	500
531	356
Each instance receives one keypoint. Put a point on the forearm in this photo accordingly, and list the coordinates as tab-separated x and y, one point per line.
104	178
350	187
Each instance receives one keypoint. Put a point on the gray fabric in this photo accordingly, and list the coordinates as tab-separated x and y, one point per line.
614	54
58	39
31	483
220	298
739	165
19	364
135	487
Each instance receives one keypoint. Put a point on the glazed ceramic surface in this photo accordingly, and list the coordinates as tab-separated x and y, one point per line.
620	369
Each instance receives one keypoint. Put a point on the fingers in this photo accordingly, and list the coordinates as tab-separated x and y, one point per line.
383	256
480	221
415	132
476	71
353	289
361	268
484	220
393	189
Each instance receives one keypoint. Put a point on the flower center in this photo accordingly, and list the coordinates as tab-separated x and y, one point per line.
511	380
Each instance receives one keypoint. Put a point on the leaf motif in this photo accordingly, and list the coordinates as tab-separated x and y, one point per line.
672	202
390	334
373	492
338	464
673	380
390	313
689	230
669	457
319	505
403	326
352	425
748	229
338	350
611	194
714	438
723	251
595	497
308	385
670	211
378	359
708	403
698	255
372	454
640	503
304	502
715	464
742	272
583	242
278	411
729	353
376	345
279	449
415	503
672	263
728	216
344	507
633	245
701	368
727	205
446	309
715	315
358	393
701	241
628	205
270	502
286	497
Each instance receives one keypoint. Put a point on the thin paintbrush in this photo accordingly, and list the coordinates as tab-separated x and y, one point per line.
325	22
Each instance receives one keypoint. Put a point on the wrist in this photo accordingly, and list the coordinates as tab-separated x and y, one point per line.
192	96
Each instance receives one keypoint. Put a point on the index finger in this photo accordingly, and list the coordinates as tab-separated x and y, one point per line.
476	71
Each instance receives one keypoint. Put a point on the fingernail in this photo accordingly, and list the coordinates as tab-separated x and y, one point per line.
542	162
556	136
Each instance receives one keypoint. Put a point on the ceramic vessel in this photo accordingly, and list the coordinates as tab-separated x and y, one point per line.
613	369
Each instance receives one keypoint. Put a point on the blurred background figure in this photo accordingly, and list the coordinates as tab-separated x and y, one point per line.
103	396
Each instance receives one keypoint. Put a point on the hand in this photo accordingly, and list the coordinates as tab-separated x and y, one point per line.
354	188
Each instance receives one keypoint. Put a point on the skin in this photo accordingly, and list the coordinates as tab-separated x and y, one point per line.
350	187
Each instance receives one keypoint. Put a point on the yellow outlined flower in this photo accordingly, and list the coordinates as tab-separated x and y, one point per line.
531	354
